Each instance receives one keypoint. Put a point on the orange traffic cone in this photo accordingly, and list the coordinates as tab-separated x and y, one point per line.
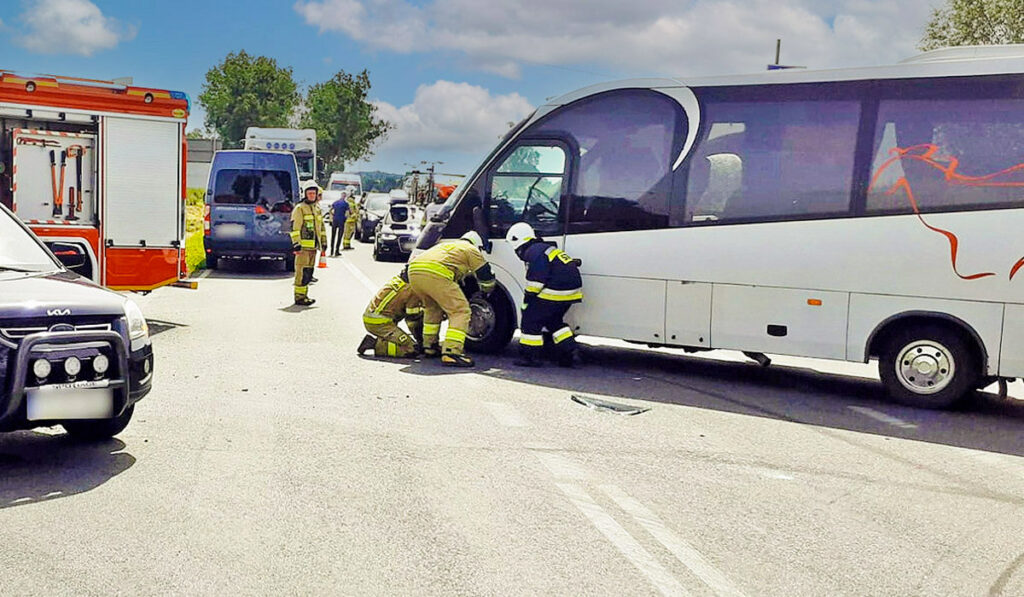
323	260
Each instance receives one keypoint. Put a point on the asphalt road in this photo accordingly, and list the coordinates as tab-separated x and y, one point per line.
271	460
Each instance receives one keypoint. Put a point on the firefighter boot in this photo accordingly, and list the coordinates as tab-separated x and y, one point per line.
452	359
304	301
432	351
368	342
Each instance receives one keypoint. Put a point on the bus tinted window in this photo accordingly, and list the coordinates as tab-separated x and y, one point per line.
627	142
933	155
773	160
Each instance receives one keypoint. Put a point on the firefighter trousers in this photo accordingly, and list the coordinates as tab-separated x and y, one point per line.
349	232
541	316
305	260
442	296
391	340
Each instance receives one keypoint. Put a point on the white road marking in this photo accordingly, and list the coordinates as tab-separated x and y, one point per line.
368	283
623	541
506	414
200	275
560	466
880	416
683	551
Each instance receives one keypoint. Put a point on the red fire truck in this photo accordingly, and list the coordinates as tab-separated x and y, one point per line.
99	167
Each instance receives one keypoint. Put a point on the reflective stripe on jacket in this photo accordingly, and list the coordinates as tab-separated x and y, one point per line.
453	260
308	227
551	274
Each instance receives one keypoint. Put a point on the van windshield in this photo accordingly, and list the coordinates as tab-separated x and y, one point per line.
18	250
253	187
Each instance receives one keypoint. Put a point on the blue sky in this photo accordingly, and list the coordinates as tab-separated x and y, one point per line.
450	73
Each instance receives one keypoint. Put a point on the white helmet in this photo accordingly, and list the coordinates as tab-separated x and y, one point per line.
519	234
473	237
351	190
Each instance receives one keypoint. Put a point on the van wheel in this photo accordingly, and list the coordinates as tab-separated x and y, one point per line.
289	263
928	366
99	429
492	322
211	260
376	252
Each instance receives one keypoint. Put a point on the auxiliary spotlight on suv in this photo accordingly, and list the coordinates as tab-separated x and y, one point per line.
70	352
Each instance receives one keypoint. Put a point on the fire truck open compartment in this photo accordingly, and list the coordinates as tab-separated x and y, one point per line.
98	167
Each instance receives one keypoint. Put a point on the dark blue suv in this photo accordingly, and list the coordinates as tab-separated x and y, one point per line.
71	353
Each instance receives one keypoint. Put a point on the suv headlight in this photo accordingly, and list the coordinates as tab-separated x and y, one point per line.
137	326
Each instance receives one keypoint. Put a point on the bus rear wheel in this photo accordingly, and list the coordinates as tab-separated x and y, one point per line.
928	366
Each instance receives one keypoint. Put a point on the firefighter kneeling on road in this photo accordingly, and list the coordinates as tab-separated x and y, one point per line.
553	284
392	303
308	237
435	276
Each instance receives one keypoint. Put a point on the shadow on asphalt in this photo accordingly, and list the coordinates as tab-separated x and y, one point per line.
239	269
157	326
779	392
37	467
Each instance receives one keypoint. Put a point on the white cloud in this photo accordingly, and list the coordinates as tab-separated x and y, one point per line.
70	27
648	37
447	116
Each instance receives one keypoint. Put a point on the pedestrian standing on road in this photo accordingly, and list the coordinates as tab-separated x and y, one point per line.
339	215
308	237
435	275
350	219
553	284
393	303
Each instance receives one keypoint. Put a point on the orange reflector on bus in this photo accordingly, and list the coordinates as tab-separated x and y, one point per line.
814	302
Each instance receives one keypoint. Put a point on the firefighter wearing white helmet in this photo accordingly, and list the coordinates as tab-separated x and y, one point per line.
435	275
351	218
308	237
553	284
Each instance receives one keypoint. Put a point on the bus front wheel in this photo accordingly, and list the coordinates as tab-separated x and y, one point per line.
928	366
492	322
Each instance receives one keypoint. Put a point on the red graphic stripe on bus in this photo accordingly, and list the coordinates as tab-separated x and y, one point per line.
926	156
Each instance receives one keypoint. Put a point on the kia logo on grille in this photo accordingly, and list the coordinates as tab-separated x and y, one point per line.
58	312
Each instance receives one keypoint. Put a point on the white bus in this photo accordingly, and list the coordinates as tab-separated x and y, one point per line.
845	214
301	142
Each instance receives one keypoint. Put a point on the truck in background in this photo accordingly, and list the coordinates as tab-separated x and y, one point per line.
339	181
301	142
98	167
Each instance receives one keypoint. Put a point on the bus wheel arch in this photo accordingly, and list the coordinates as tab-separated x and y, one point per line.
928	360
493	320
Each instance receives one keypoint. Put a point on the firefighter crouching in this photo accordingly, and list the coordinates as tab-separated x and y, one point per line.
553	284
392	303
435	276
307	238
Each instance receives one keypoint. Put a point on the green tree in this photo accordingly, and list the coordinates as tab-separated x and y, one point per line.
346	124
975	22
244	91
195	134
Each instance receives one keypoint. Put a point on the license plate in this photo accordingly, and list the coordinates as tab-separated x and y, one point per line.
87	400
229	230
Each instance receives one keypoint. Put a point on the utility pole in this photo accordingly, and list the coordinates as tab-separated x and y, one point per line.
778	50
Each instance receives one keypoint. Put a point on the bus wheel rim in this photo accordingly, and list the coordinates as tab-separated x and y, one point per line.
482	319
925	367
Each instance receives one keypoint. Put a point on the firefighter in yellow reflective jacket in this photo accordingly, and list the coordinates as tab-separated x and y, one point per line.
308	237
351	218
392	303
435	276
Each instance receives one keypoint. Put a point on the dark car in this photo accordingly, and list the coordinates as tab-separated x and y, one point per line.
371	212
398	233
71	353
249	202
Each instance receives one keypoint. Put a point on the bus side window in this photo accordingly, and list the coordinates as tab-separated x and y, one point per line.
527	187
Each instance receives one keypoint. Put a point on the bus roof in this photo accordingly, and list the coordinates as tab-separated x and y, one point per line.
255	132
944	62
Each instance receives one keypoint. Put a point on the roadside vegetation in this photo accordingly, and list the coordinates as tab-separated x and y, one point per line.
195	256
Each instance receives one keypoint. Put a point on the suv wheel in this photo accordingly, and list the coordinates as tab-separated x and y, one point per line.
99	429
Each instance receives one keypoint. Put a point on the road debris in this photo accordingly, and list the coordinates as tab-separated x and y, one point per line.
605	406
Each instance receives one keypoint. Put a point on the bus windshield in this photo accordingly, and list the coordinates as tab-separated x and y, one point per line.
18	250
